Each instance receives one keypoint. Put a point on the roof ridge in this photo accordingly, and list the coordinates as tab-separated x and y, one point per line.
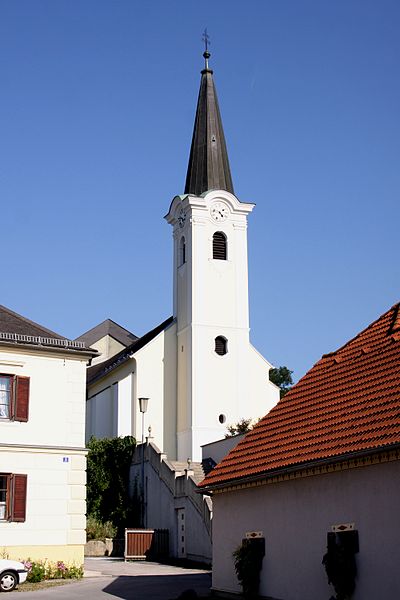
395	324
360	333
108	320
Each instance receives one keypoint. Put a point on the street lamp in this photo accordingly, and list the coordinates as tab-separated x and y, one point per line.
143	403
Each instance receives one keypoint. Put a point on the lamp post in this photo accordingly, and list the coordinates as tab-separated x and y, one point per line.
143	403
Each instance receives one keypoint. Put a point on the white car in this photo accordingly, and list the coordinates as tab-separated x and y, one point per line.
12	573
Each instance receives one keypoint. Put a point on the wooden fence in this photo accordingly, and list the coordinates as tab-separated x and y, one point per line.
142	544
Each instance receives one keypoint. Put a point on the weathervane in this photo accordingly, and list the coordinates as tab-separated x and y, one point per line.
207	43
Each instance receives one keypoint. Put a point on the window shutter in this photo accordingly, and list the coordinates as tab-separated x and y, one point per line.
18	498
21	399
219	246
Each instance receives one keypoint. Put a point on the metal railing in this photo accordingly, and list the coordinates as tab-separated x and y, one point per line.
41	341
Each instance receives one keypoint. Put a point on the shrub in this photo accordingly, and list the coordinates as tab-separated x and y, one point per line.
108	467
44	569
96	530
248	559
37	572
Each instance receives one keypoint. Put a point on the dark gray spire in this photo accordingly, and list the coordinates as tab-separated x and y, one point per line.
208	162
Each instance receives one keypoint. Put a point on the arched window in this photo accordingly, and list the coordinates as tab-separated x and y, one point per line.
182	251
219	245
221	345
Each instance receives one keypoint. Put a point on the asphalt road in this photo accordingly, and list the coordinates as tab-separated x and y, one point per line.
108	578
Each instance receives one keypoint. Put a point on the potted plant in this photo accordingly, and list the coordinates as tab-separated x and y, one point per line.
248	559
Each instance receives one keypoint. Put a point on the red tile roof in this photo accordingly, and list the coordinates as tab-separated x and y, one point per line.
348	402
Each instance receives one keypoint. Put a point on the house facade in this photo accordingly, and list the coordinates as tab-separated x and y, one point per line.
319	477
42	442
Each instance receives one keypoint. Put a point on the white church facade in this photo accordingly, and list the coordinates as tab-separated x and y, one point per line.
198	368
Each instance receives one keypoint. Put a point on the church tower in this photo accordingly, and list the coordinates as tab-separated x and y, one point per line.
221	378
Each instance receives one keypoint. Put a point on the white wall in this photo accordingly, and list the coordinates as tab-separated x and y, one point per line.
168	495
107	346
295	517
113	405
56	498
219	449
56	399
50	450
109	411
156	379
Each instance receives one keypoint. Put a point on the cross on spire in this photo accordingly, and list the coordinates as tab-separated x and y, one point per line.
207	43
206	39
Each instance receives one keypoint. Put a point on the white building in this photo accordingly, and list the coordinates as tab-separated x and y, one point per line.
42	441
320	472
198	368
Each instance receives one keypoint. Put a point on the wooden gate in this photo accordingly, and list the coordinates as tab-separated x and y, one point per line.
142	544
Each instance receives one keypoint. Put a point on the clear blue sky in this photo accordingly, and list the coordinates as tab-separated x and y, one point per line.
97	102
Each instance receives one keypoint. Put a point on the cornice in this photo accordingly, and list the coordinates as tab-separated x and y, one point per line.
4	447
322	468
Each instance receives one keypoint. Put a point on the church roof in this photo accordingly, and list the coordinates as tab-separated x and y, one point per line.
111	328
208	162
103	368
346	405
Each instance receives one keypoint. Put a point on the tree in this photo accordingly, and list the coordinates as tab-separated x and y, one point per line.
242	426
108	466
282	377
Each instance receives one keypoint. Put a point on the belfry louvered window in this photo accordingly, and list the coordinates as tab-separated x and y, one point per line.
182	251
221	345
219	246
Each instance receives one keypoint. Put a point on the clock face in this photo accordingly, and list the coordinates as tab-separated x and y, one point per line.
219	212
181	218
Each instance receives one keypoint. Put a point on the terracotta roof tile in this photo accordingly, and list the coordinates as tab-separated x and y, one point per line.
348	402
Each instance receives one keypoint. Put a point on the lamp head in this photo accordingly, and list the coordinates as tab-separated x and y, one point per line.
143	402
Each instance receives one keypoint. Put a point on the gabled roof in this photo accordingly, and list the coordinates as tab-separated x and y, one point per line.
208	167
18	330
111	328
347	404
103	368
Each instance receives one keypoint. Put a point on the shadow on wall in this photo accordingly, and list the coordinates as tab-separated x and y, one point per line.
162	587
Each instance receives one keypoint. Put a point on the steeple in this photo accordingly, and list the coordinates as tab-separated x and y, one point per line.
208	162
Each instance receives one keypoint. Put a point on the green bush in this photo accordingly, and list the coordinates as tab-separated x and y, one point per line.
108	467
96	530
37	572
248	559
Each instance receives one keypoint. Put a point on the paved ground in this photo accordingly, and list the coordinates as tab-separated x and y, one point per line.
108	578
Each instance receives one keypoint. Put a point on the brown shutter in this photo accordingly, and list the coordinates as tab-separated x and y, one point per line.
21	399
18	497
